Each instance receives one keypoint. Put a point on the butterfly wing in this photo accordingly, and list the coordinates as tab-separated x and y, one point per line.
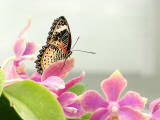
58	45
60	31
48	56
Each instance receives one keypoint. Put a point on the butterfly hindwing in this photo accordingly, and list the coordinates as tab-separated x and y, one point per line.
48	56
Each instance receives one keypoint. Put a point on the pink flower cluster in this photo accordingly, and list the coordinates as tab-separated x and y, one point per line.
129	107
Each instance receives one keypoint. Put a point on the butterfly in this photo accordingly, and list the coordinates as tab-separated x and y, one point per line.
58	45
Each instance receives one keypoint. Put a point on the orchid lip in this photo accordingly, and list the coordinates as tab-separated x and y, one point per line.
71	110
58	86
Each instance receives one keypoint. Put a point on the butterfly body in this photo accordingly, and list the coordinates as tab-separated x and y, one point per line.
57	47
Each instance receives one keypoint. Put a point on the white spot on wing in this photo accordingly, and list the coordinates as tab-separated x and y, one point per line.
61	28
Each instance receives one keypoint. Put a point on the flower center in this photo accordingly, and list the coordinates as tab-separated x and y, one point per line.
20	69
114	109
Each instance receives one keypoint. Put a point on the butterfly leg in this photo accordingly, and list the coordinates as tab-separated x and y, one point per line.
67	56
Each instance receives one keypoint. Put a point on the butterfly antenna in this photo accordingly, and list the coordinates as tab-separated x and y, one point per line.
85	51
75	43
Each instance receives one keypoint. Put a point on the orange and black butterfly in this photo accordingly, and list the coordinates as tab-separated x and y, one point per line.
58	45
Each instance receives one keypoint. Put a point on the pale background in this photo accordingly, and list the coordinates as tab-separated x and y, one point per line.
123	33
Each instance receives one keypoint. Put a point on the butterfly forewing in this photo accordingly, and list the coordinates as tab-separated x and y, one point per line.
59	28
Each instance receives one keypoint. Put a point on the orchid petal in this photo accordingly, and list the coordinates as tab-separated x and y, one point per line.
91	100
21	71
134	100
153	118
66	98
70	110
30	48
100	114
74	110
25	77
54	83
19	47
36	77
113	86
71	83
25	28
25	57
11	73
20	44
126	113
70	105
74	81
154	109
60	69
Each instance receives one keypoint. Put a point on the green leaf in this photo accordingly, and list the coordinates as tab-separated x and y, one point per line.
86	116
2	79
75	119
6	111
78	88
32	101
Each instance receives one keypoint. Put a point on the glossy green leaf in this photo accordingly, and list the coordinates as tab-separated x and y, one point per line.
2	79
32	101
78	88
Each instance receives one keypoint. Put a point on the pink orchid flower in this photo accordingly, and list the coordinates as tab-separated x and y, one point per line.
52	79
155	110
23	51
127	108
